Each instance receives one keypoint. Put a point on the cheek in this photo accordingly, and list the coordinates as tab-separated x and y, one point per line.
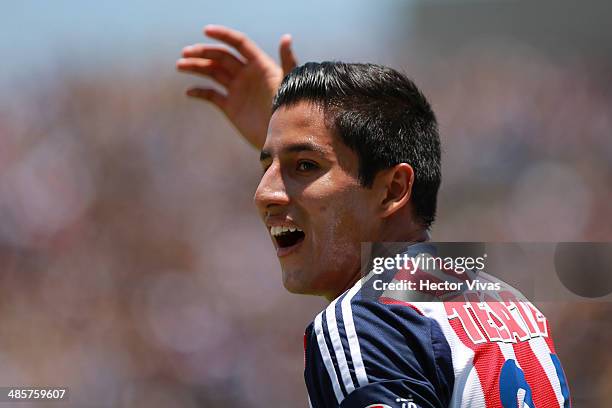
337	211
340	247
338	226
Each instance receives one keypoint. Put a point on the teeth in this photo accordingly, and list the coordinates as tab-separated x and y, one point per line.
281	230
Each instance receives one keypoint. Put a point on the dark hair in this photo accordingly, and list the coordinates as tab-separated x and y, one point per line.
381	115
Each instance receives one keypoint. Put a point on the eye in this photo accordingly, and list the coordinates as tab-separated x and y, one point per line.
305	166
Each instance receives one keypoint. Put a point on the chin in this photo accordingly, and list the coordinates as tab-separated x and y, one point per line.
295	285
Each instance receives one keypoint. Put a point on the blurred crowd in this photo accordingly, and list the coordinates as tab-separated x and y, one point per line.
134	269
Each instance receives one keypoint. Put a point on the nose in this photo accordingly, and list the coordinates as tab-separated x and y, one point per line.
271	191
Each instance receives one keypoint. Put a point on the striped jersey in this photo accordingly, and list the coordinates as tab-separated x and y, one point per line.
384	352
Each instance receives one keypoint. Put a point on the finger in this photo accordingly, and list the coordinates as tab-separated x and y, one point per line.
288	60
224	57
205	67
236	39
210	95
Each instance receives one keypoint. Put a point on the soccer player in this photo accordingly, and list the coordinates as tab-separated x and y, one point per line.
350	154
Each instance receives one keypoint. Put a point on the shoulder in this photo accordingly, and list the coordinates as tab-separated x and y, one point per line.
359	341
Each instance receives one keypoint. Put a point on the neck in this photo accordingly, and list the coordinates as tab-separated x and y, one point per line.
355	276
401	230
417	234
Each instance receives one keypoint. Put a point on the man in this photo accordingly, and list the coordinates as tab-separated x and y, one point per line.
351	154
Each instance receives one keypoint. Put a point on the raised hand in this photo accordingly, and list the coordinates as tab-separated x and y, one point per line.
250	78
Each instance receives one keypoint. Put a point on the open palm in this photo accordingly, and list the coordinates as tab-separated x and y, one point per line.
250	79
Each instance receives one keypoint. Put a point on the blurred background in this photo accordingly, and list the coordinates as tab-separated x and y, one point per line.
133	266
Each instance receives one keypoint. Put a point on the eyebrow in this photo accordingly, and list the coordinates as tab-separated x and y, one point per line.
296	148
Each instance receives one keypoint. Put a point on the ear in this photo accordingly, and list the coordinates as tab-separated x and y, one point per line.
396	188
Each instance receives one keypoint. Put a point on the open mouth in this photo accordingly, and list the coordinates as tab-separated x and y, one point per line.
287	237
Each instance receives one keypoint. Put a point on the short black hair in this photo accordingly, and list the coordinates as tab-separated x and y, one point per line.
380	114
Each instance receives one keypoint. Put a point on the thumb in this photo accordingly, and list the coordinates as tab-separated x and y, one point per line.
288	60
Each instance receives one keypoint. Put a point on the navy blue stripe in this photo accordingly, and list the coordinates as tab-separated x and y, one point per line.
344	341
332	353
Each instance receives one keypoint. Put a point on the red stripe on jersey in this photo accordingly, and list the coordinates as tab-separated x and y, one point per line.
390	301
488	361
542	392
549	339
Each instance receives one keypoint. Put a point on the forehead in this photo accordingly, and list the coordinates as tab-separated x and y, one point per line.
302	123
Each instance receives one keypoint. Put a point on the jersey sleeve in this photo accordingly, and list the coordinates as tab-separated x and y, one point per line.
364	352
